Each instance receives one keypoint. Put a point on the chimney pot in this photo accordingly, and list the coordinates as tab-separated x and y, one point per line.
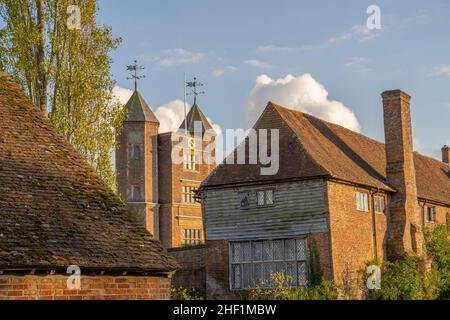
446	154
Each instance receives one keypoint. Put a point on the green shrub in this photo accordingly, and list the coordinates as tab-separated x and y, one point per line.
181	293
280	288
438	248
401	280
405	280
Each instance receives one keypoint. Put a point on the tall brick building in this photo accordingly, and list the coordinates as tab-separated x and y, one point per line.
353	197
55	212
159	189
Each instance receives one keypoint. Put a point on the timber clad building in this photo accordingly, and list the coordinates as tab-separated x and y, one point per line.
354	198
160	191
56	212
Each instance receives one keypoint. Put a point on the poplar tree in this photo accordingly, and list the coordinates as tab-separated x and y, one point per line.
61	57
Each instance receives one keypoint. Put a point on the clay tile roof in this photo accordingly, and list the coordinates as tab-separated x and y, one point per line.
54	209
195	114
312	147
138	109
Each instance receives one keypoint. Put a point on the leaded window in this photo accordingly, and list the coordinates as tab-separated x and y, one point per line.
188	194
264	197
253	262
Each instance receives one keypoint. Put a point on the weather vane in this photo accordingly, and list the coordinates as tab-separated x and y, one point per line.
134	68
194	85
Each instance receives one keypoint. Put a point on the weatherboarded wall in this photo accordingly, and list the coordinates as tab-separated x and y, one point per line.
299	208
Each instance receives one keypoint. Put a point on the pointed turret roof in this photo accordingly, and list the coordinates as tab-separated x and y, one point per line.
138	109
195	114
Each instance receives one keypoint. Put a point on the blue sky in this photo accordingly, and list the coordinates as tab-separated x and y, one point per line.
229	44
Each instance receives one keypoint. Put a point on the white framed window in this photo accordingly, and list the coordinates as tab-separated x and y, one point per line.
253	262
190	237
264	197
362	201
188	194
379	204
430	214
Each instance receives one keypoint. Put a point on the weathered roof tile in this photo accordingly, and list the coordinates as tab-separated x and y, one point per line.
54	209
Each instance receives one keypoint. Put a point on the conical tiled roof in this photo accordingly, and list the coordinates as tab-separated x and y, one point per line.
138	109
195	114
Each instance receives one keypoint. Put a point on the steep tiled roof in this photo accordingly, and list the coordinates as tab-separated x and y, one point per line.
138	109
54	209
195	114
313	147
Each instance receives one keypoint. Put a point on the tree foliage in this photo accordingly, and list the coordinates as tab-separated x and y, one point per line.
65	71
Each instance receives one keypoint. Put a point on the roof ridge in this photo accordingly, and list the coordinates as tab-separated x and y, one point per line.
309	117
431	158
296	137
347	129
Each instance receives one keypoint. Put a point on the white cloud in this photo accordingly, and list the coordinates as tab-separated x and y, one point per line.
359	33
302	93
121	94
170	115
274	49
358	64
223	71
175	57
258	64
442	70
417	144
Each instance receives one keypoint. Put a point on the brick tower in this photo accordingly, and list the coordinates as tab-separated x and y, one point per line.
137	162
194	144
404	228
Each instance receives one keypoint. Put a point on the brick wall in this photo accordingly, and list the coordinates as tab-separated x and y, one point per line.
174	214
217	274
352	236
441	215
192	262
54	287
322	243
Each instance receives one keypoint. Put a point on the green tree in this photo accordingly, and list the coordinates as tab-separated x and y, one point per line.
65	71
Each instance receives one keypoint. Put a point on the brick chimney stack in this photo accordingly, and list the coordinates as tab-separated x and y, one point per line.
446	154
404	228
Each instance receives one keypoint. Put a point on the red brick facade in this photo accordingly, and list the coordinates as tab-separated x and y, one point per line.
54	287
177	215
192	272
159	179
